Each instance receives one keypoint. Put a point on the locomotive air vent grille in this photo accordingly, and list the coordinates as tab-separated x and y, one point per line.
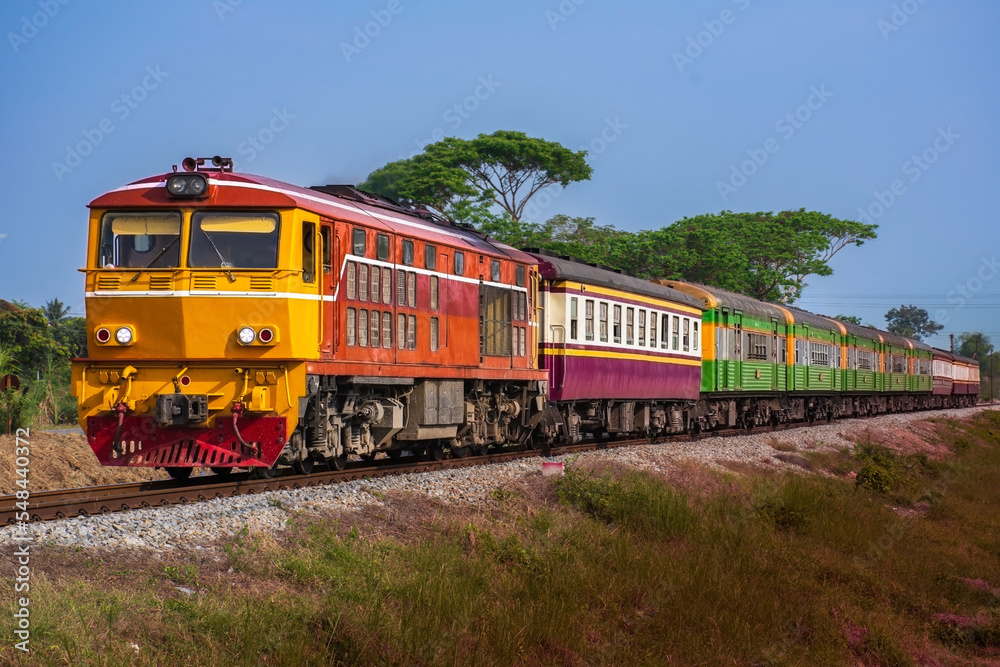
161	282
262	283
108	282
203	282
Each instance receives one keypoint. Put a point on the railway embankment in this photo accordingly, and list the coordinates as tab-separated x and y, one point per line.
860	542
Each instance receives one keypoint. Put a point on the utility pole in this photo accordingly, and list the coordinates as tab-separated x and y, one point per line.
951	337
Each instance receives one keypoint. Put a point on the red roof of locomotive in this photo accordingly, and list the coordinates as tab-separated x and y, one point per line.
230	190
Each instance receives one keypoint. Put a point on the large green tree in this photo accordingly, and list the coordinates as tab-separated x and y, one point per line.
26	333
912	322
463	179
974	345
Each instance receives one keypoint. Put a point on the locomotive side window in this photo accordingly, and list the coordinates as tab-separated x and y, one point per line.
140	240
430	257
401	331
495	271
573	330
459	263
400	288
352	327
520	276
327	261
308	252
235	240
387	286
434	334
376	327
363	328
434	292
407	252
588	329
386	329
382	247
363	282
604	322
411	289
358	242
411	333
352	280
376	287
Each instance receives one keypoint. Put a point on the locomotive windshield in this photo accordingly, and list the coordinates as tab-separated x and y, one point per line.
140	240
234	240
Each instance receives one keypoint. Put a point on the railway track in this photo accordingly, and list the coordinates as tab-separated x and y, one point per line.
63	503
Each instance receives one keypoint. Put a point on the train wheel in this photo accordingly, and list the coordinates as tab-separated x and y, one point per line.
435	451
338	462
304	467
368	458
265	473
222	472
460	452
394	454
179	473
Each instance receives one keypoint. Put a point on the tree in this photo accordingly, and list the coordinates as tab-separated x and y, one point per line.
974	345
911	322
462	179
850	319
56	311
26	332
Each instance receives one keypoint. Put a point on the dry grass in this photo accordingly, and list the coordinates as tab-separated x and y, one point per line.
64	460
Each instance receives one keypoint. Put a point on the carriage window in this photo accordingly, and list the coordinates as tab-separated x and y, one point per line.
430	257
616	331
459	263
434	292
495	271
411	333
604	322
665	332
234	240
756	347
376	288
588	329
137	240
687	335
387	285
573	331
386	329
652	328
411	289
382	247
642	328
630	326
407	252
352	328
358	242
401	331
327	262
694	334
434	334
400	288
675	343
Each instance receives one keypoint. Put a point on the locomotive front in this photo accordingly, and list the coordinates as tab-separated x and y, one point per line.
202	306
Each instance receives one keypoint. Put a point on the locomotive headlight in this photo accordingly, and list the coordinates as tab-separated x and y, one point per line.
124	335
187	185
246	335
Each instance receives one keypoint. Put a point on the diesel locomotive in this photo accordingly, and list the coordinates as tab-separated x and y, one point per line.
236	321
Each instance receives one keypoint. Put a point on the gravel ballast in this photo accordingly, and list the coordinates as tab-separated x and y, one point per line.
202	525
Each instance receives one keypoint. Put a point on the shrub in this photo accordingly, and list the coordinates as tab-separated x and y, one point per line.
874	478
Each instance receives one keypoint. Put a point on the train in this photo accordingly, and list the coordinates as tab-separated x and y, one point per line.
239	322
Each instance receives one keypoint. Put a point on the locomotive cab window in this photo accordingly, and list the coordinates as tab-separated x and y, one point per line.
308	252
140	240
235	240
327	262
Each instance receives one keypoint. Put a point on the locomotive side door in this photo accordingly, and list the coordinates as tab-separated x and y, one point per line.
329	246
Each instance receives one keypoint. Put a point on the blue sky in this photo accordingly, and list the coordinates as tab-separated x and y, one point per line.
832	100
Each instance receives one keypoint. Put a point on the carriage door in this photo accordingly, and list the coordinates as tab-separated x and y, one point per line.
774	355
738	349
328	286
